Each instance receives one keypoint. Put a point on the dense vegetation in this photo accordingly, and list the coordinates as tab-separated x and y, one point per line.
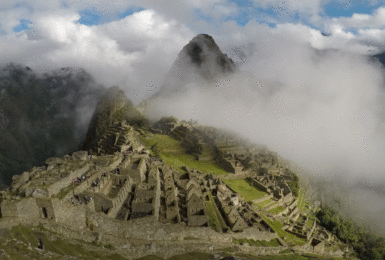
132	116
366	244
294	184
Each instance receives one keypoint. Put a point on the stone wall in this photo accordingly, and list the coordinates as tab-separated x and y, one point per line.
126	162
142	169
273	206
259	186
28	209
293	212
225	164
88	183
9	209
25	209
68	214
319	247
312	230
285	199
46	203
104	184
292	205
157	195
118	201
150	229
297	234
117	160
283	212
263	198
97	174
56	187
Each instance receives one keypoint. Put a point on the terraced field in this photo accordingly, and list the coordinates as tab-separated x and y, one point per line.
277	227
277	210
243	188
173	154
213	218
264	203
301	200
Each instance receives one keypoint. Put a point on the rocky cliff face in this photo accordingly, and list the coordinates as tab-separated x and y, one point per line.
42	115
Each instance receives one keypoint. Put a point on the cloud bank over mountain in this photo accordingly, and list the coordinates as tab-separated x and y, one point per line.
319	108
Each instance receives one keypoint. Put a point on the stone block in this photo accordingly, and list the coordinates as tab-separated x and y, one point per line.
39	193
53	161
80	155
23	178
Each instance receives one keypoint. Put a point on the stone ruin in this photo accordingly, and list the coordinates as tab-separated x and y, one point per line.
130	186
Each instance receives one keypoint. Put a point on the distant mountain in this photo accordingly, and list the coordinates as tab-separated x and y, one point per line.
379	58
200	60
42	115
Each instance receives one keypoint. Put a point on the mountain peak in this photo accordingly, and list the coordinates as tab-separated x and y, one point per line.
201	60
202	50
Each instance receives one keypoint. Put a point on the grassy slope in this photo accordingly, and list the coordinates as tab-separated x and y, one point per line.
265	203
172	152
213	218
244	189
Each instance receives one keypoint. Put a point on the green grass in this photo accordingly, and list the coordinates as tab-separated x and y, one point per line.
301	200
277	210
277	227
287	257
260	243
213	219
190	238
285	251
264	203
109	246
244	189
310	223
221	221
24	234
173	154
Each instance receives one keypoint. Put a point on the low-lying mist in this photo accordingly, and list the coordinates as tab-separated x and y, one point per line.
321	109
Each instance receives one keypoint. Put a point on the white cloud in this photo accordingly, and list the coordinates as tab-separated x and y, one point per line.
315	107
360	21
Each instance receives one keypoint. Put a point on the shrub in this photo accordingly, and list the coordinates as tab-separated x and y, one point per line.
109	246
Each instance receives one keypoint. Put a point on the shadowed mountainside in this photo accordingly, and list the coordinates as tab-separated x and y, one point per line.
42	116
